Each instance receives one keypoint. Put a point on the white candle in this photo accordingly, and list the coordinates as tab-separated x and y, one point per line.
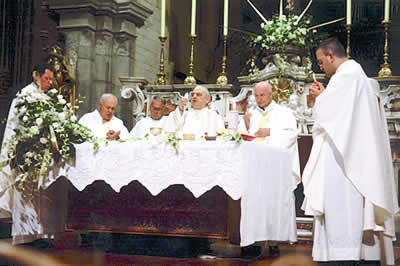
348	12
226	9
280	8
193	25
163	10
387	11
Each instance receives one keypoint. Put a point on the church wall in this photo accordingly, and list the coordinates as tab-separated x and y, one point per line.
147	57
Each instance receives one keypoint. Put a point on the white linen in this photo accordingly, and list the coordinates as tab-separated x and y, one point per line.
6	178
283	130
143	126
199	166
94	122
196	122
350	132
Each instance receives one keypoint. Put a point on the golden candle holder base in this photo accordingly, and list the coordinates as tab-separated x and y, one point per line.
161	77
222	78
348	28
190	79
385	71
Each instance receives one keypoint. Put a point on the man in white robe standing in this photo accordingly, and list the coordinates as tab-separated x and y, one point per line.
198	119
102	122
155	120
274	125
39	217
348	180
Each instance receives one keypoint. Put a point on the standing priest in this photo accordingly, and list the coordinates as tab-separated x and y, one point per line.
348	180
199	119
275	126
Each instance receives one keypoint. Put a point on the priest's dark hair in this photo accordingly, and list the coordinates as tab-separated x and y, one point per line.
42	68
332	45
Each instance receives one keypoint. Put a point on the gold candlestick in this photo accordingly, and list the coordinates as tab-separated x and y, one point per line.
190	79
222	78
161	80
348	28
385	67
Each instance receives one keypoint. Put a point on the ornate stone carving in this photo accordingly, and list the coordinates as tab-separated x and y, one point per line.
132	90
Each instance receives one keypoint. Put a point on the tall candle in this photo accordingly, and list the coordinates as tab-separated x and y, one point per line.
348	12
387	11
163	10
193	25
226	12
280	8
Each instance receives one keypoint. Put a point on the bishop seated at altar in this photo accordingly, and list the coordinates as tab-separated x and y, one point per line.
155	120
199	119
102	121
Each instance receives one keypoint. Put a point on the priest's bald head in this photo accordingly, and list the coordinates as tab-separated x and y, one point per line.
263	93
200	97
330	55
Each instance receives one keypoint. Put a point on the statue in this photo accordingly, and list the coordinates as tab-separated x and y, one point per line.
65	72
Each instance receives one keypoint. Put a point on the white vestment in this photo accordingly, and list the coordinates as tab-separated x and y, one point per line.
283	130
143	126
40	217
6	179
348	180
196	122
94	122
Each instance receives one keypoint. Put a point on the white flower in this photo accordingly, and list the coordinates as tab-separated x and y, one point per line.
25	118
39	121
62	101
60	97
56	125
29	154
34	130
43	140
22	109
262	25
28	161
73	118
62	116
259	37
53	91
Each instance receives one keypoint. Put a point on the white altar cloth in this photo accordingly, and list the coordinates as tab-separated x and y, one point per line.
257	173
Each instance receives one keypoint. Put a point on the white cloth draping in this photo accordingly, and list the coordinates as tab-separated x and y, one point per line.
283	130
256	173
143	126
351	142
94	122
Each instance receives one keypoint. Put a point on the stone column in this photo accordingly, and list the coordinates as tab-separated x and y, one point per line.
103	35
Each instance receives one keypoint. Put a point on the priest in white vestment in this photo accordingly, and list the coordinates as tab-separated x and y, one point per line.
275	125
155	120
39	217
348	180
102	122
199	119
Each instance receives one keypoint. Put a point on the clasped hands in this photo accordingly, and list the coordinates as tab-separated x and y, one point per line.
261	132
182	103
113	135
315	90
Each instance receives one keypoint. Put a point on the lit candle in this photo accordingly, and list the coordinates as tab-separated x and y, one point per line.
162	31
348	12
193	25
226	8
387	11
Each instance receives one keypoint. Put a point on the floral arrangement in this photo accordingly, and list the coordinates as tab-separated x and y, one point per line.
47	129
278	35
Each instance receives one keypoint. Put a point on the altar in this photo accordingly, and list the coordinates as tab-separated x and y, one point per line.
148	187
